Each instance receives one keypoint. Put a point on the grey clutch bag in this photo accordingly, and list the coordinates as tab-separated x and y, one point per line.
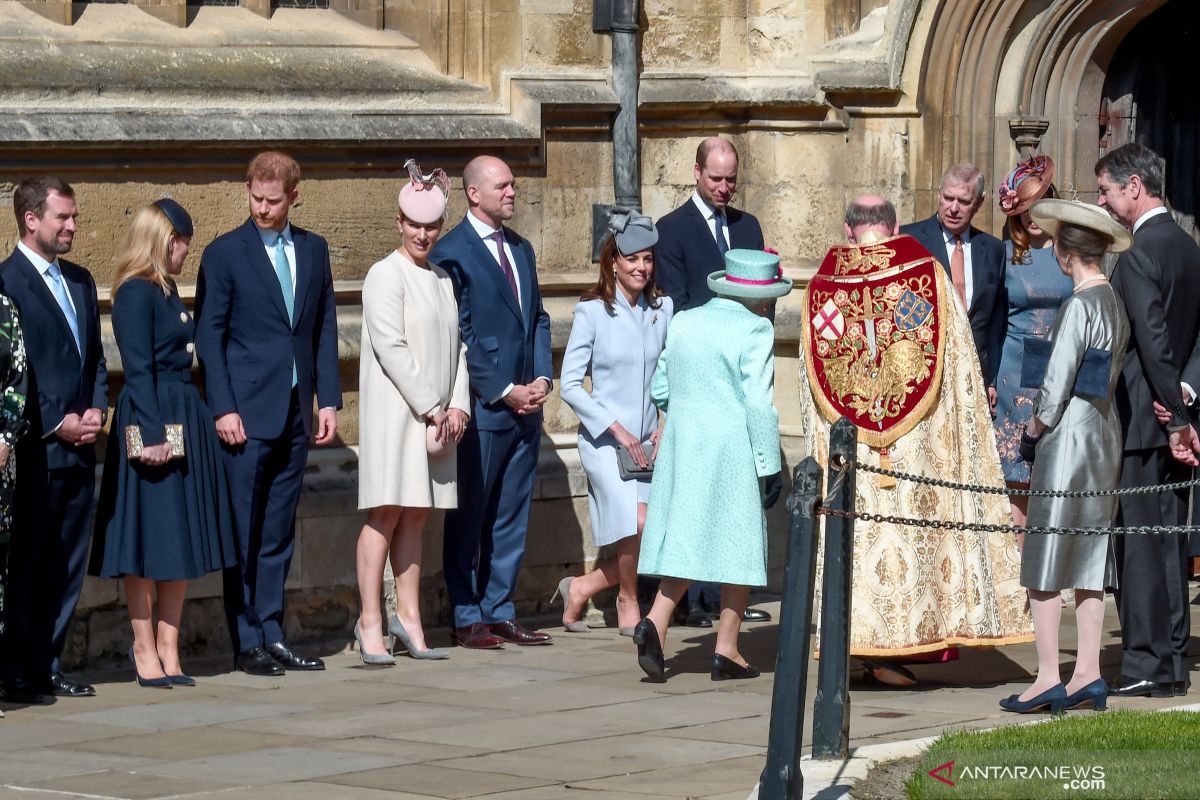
630	471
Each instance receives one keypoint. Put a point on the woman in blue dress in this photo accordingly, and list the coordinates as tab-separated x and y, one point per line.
164	515
1036	287
619	330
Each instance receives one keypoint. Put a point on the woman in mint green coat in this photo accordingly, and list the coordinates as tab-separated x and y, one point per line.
705	518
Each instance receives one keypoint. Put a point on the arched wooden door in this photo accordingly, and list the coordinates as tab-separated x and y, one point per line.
1148	98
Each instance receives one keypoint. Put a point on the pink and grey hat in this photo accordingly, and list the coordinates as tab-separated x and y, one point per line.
750	273
1027	183
423	199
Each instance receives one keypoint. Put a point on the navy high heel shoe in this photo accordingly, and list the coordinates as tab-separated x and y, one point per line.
649	647
1046	699
152	683
1095	692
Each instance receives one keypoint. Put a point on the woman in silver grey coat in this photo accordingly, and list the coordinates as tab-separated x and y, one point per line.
1074	442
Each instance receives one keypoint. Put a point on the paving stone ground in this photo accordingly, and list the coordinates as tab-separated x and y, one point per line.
574	720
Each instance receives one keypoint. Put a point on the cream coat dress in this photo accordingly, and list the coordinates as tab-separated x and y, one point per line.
412	363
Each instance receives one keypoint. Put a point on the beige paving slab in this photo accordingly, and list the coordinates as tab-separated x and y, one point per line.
752	731
23	766
580	761
22	730
572	792
307	790
189	743
537	697
123	785
403	751
271	765
182	714
436	780
490	673
383	719
693	780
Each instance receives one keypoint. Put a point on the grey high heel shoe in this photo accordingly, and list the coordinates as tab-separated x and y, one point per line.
371	659
564	591
396	628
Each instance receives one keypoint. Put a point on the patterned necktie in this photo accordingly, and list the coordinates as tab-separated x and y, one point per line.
722	244
283	272
59	289
505	267
958	270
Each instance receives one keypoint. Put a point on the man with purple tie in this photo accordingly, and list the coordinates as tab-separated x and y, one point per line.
507	334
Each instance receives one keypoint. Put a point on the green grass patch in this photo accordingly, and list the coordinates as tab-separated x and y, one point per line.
1115	754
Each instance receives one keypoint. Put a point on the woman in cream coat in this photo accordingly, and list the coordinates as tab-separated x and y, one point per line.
413	409
619	330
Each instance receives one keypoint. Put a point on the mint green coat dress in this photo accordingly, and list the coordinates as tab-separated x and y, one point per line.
714	380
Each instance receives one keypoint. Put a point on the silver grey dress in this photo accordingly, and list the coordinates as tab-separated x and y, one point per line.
1081	448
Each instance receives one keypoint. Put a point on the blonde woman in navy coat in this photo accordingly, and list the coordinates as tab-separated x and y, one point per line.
619	330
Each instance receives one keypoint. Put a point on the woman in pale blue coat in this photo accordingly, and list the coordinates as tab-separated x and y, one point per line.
705	519
619	331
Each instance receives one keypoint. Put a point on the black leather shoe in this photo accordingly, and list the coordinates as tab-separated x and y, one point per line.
1135	687
649	647
291	660
697	618
22	692
725	669
756	615
257	661
61	686
1180	688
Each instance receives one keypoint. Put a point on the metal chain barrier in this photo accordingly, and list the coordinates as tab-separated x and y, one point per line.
988	528
966	487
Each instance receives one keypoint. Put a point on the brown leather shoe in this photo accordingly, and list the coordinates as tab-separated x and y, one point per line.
476	637
512	631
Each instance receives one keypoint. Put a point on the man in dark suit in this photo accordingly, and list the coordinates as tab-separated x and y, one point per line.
266	335
692	242
68	400
693	238
974	261
1159	281
507	335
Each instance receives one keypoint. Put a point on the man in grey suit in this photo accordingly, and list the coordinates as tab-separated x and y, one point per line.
1157	280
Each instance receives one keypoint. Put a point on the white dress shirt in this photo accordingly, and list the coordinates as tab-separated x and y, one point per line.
710	216
1154	212
485	231
967	277
289	247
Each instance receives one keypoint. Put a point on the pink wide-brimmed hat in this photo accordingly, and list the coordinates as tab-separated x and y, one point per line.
1027	183
423	199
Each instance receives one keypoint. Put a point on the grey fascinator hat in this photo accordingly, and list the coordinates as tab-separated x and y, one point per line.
633	230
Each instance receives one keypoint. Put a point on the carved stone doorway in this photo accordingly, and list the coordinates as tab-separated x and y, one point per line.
1148	99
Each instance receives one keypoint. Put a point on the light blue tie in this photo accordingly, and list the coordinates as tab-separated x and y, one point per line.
719	224
59	288
284	273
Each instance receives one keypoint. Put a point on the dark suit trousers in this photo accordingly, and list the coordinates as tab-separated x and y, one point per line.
265	476
46	564
485	537
1152	596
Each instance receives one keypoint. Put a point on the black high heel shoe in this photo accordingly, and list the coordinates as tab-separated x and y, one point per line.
650	654
1047	699
152	683
726	669
1095	692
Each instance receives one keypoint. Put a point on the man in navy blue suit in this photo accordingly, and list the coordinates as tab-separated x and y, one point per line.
974	260
692	242
68	400
266	335
693	238
507	334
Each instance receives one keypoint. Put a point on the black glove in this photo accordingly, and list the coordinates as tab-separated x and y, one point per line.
772	488
1028	445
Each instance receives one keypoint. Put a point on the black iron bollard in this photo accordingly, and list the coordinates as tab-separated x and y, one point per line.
831	711
781	778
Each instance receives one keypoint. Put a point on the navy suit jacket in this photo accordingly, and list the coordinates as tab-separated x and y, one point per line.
687	253
245	342
506	342
61	380
989	299
1159	281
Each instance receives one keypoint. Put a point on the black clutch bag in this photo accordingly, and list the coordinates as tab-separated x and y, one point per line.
1090	381
630	471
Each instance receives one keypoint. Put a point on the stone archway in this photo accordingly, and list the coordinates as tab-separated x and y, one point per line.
998	75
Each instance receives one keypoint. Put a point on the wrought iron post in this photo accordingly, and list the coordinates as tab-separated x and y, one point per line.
781	778
831	711
621	19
